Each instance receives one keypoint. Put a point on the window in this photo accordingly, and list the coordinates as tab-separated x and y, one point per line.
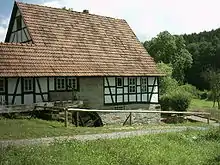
2	85
28	85
119	82
18	21
143	84
132	85
72	83
61	84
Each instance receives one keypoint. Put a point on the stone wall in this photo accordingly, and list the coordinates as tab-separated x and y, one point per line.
137	118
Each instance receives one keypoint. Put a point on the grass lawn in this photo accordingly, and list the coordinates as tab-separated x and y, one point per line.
201	104
185	148
35	128
205	106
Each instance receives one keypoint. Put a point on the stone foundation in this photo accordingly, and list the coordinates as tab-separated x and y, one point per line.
137	118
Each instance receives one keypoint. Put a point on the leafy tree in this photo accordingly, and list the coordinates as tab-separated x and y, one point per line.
167	83
205	50
170	49
213	77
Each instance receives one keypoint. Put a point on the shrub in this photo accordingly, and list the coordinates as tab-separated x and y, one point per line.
180	100
191	90
204	94
177	100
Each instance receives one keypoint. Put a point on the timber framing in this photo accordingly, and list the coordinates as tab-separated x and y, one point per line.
151	89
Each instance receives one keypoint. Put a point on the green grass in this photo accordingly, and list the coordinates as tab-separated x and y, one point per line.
205	106
201	104
186	148
36	128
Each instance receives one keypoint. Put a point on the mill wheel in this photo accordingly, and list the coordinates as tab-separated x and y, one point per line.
87	119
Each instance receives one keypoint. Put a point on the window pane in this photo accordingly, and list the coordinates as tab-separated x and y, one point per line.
61	83
72	83
119	82
2	85
28	84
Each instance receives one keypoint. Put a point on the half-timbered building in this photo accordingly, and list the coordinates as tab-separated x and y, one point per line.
49	52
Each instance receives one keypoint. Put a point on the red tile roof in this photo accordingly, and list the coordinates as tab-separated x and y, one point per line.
68	43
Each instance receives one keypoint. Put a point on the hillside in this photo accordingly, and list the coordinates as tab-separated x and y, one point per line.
205	50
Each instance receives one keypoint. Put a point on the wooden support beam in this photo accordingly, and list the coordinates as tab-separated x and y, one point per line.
130	119
77	118
66	117
126	119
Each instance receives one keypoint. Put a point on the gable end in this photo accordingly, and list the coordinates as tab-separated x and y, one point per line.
17	30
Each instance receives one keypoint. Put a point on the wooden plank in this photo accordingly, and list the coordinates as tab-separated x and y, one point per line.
138	111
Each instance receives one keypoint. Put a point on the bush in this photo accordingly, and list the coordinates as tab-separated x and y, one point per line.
180	100
165	102
204	94
177	100
191	89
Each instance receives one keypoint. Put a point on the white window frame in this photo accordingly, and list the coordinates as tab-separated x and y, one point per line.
61	83
28	84
132	85
72	83
144	84
121	79
2	88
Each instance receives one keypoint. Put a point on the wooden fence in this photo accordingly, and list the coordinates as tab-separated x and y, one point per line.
66	110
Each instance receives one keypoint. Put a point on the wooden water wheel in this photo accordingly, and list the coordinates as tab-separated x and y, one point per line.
87	119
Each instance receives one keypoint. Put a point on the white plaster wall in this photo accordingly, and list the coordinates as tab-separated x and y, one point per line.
43	85
51	84
12	84
28	99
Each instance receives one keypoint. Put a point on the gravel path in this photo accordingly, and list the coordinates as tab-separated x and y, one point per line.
114	135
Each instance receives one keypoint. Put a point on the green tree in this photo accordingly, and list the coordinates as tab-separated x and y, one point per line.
167	83
213	77
170	49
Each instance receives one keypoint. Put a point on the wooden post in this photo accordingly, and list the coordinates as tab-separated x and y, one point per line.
66	116
77	118
130	119
208	119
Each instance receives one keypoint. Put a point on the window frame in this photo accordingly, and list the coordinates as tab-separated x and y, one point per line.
75	84
121	80
28	85
3	85
144	84
132	85
59	85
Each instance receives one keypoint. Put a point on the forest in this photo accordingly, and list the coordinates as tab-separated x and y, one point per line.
191	55
191	62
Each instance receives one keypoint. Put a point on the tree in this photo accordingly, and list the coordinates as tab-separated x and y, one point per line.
204	48
170	49
213	77
167	83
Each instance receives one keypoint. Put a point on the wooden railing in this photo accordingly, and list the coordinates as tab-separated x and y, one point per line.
48	106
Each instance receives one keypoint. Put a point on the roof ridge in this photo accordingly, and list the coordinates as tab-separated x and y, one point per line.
66	10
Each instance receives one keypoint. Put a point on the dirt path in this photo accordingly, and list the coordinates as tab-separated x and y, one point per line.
114	135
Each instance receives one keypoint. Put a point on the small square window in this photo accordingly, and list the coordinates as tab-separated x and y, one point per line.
61	84
28	85
2	85
119	82
72	83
